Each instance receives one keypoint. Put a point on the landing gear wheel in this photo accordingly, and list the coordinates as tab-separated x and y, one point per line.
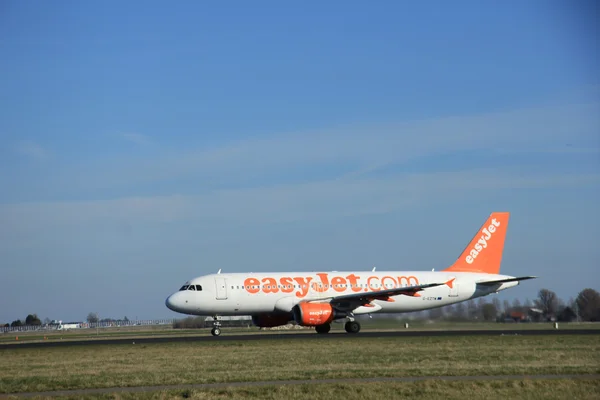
323	328
216	330
352	327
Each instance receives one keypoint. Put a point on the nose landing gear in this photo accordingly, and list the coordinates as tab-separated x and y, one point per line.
216	330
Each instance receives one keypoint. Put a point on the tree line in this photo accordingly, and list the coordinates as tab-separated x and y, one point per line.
31	319
546	307
93	318
34	320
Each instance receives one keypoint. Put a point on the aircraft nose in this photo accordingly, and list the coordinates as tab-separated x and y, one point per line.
178	302
170	303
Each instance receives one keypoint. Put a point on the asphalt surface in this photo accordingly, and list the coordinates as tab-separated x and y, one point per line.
139	389
227	336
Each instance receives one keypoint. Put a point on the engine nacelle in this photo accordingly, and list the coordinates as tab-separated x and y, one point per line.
271	320
312	314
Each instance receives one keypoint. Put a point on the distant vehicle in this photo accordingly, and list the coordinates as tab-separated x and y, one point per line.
69	325
318	298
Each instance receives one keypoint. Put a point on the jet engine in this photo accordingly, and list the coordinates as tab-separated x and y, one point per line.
313	314
271	320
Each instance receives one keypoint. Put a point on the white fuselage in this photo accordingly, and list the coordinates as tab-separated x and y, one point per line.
259	293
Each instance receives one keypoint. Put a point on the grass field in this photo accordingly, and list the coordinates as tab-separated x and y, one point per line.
489	390
92	366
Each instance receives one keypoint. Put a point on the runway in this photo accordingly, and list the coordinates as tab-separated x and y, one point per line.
227	336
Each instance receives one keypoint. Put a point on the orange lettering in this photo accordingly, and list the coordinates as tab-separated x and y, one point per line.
408	280
303	283
271	285
354	282
322	287
287	285
369	282
388	277
322	284
250	283
339	284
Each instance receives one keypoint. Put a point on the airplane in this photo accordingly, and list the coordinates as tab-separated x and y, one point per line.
316	299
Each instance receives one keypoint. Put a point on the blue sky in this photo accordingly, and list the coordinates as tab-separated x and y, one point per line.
145	143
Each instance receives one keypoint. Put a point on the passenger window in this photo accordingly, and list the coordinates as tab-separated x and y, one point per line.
198	287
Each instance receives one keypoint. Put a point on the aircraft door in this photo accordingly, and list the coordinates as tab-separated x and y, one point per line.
454	290
221	286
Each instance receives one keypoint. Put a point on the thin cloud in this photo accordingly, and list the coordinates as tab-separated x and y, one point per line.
567	149
314	201
356	150
136	138
346	154
32	150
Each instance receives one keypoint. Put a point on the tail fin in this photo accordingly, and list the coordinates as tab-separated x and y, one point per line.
484	253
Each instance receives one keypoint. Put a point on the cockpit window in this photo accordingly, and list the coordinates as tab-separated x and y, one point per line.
191	287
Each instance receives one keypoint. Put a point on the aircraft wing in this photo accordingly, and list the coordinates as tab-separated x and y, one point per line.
357	299
496	282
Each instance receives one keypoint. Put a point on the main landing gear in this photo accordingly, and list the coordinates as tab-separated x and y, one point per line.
351	327
216	330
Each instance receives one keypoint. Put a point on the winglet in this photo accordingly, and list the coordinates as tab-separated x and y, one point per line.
484	252
450	283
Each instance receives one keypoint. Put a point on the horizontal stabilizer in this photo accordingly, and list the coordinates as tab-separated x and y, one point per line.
490	283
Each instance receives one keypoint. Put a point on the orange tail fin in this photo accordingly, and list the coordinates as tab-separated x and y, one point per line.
484	253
